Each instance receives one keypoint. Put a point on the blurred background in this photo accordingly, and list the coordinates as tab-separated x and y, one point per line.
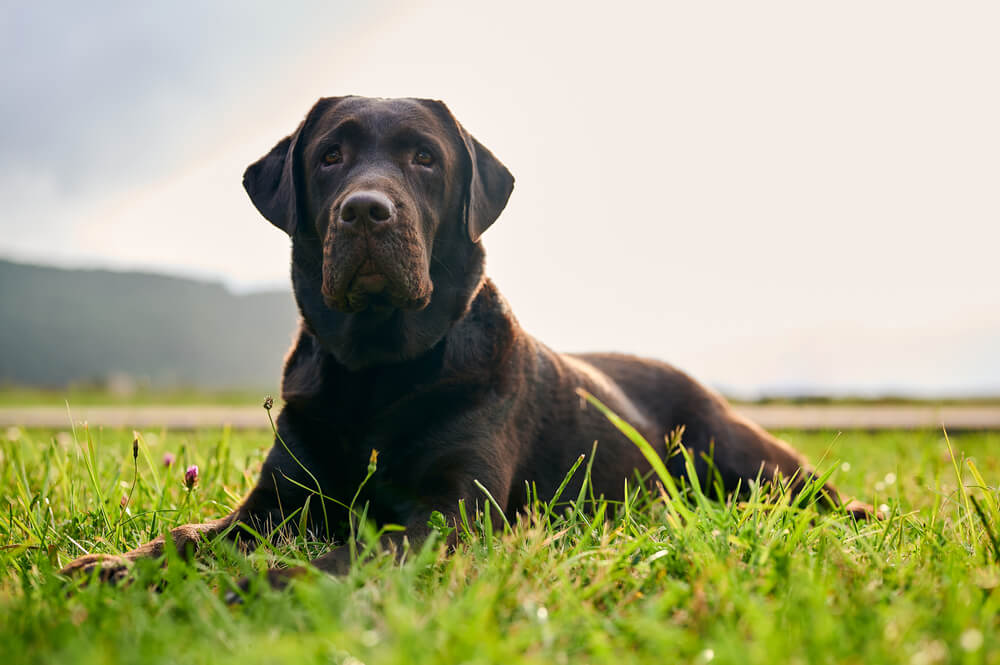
782	198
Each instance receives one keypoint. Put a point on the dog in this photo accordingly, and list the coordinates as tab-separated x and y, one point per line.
405	347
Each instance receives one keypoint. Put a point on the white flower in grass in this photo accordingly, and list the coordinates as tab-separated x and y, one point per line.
971	640
930	653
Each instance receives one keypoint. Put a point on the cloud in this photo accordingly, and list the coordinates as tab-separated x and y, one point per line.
107	89
106	99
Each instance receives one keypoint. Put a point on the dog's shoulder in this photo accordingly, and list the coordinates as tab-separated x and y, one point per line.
302	377
483	340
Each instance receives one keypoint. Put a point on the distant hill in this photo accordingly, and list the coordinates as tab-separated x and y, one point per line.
59	327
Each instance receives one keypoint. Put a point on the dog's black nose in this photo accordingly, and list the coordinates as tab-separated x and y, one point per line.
366	207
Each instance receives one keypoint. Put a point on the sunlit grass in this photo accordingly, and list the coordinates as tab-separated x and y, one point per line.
653	579
81	396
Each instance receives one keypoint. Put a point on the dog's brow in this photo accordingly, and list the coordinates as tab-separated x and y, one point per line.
347	128
409	136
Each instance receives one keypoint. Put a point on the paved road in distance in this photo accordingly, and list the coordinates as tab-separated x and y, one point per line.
770	416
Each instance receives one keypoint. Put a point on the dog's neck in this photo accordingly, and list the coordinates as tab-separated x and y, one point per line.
369	339
466	367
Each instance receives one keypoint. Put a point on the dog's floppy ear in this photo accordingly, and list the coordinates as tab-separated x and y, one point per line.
488	183
271	181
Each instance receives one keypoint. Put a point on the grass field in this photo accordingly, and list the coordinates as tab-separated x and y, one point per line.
661	581
89	395
78	396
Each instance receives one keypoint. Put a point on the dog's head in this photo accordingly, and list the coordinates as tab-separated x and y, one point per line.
385	201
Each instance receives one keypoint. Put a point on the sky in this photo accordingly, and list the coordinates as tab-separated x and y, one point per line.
777	197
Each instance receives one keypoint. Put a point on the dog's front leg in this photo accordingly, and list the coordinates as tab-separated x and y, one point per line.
338	562
278	493
260	510
186	539
418	528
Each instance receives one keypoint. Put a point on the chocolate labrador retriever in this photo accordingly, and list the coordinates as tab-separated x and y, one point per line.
405	347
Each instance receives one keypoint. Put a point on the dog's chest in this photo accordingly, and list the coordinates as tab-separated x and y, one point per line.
408	442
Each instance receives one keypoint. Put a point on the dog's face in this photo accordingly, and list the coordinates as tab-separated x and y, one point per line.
378	179
386	199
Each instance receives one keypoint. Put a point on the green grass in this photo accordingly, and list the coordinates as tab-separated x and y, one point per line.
78	396
98	395
657	582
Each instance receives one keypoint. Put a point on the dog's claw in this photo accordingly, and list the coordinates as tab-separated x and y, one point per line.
233	598
863	511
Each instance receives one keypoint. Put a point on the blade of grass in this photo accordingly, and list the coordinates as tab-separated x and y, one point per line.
961	486
676	505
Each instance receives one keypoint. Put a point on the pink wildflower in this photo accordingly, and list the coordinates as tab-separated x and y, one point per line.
191	476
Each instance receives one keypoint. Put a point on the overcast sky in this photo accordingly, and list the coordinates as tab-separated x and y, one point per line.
771	195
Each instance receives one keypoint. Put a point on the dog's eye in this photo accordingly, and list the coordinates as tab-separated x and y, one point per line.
333	156
423	157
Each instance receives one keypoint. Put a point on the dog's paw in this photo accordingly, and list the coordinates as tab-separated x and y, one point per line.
106	568
863	511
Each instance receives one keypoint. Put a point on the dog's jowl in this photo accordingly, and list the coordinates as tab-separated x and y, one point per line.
405	347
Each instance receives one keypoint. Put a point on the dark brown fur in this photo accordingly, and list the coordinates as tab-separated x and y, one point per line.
406	348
